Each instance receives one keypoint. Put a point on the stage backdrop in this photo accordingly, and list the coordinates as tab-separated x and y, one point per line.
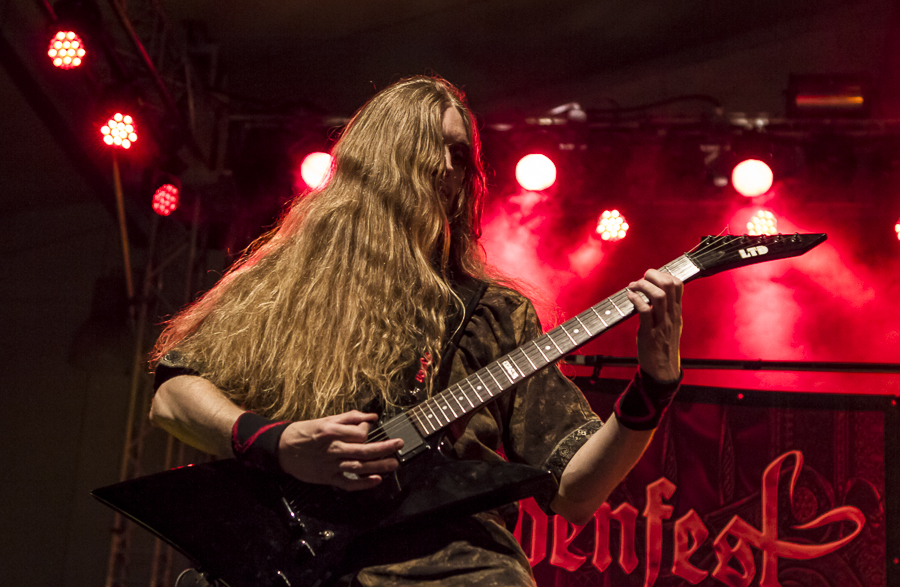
739	488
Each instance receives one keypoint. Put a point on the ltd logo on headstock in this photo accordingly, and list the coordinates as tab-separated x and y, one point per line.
719	253
753	252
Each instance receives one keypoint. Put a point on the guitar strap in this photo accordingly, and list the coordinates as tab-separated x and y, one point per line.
471	290
468	291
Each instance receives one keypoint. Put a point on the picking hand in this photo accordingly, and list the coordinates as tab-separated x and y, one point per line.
333	451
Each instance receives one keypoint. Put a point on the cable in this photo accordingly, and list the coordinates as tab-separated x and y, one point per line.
665	102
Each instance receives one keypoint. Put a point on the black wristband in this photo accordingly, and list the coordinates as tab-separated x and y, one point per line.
254	440
644	402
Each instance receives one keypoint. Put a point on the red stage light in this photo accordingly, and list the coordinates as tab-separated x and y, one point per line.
66	50
535	172
119	131
611	226
752	177
316	170
763	222
165	199
897	228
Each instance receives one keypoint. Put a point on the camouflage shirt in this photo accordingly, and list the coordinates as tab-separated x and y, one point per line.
542	422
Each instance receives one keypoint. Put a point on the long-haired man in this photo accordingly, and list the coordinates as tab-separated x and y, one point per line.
348	304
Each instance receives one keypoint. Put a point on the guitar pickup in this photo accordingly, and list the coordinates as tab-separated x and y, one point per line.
402	427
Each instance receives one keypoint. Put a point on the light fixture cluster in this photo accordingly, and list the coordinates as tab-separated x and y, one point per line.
165	199
75	23
762	223
66	50
611	226
119	131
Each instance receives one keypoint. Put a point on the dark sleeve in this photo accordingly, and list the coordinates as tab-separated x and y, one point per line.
542	421
171	365
548	417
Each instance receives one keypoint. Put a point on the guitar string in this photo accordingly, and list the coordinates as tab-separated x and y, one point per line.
718	243
449	394
619	299
726	243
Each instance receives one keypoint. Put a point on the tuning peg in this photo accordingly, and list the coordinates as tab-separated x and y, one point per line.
303	548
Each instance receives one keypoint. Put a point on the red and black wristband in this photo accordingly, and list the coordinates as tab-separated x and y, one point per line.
643	404
254	440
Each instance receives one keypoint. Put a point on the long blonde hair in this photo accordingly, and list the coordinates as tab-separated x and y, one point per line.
350	289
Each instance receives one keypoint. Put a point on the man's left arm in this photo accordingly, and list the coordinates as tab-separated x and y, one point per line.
604	460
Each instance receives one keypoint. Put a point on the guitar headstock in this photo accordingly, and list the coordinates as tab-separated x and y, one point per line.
715	254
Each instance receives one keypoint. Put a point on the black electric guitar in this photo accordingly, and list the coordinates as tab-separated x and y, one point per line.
247	528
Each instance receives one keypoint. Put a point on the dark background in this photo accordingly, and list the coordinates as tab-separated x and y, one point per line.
271	79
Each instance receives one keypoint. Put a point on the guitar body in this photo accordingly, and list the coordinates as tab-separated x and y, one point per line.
249	528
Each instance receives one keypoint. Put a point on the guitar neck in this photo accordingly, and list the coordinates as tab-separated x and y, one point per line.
470	394
714	254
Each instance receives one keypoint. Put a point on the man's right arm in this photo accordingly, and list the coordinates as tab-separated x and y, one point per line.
331	450
193	410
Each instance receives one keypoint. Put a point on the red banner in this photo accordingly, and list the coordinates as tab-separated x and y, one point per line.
710	505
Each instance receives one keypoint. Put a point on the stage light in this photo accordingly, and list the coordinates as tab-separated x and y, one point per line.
762	223
66	50
535	172
165	199
611	226
829	96
897	228
77	26
119	131
316	170
752	177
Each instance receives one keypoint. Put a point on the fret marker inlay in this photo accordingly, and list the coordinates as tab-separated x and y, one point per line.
510	371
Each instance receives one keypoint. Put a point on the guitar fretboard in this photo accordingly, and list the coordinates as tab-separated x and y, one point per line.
488	382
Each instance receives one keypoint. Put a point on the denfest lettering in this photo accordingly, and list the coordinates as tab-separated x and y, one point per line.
689	534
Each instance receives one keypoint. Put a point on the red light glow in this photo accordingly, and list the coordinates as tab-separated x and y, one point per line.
165	199
763	222
752	178
897	229
535	172
316	170
66	50
119	131
611	226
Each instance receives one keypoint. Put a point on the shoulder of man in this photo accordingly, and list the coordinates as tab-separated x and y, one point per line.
497	295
